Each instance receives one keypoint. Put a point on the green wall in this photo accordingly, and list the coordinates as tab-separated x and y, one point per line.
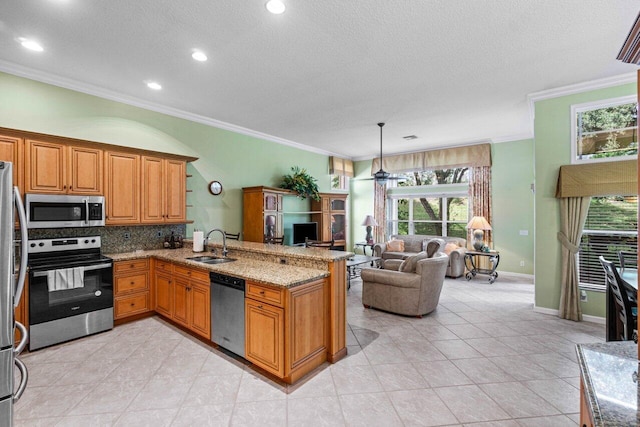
552	149
511	179
233	159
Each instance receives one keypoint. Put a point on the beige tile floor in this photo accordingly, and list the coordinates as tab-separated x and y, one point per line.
484	358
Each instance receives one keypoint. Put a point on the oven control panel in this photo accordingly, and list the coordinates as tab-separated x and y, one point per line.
64	244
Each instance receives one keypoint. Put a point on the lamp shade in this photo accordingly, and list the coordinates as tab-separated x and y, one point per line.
479	223
369	220
270	220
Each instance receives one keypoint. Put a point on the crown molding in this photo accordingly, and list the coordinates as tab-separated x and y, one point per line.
513	137
63	82
439	147
581	87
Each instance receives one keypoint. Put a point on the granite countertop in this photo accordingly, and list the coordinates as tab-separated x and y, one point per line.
246	268
609	371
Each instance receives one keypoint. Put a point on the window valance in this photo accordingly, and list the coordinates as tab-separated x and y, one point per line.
340	166
471	155
598	179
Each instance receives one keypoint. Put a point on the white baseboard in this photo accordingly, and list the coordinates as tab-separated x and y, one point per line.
585	317
522	275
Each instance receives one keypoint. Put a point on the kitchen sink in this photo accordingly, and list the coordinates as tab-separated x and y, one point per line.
211	259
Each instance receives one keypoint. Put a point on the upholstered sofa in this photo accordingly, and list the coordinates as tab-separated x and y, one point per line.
454	247
411	287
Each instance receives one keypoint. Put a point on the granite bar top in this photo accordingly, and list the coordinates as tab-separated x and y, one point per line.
248	268
609	371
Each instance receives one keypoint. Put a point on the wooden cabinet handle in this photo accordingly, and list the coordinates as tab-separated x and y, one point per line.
132	282
131	266
133	304
261	292
260	307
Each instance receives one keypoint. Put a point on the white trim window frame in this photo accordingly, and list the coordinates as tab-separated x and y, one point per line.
576	109
417	192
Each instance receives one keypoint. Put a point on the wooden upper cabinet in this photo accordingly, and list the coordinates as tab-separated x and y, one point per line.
122	195
176	190
62	169
11	151
163	190
85	171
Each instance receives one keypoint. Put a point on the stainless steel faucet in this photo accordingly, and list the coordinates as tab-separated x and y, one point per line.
224	241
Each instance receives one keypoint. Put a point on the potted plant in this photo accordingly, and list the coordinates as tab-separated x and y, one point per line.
302	183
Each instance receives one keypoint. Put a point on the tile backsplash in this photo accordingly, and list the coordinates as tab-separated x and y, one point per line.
117	239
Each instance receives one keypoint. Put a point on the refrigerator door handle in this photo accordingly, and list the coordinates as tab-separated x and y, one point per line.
24	337
23	380
24	240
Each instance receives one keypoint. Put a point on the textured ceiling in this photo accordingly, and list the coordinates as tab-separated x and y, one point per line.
325	72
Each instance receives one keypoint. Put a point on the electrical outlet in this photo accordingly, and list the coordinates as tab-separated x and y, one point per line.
159	234
583	296
127	235
521	263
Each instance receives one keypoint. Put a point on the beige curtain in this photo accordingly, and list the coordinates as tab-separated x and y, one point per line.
573	213
340	166
480	198
379	211
471	155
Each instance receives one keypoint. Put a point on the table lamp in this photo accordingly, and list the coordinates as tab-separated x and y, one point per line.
370	222
478	224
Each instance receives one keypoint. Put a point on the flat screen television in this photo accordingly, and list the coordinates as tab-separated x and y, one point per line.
305	230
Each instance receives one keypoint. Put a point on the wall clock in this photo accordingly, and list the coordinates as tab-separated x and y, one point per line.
215	188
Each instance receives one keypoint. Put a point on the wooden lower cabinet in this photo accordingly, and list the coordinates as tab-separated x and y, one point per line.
21	313
286	330
264	344
163	294
183	295
131	289
586	419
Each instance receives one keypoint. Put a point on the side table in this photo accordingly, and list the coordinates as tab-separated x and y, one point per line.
364	246
470	258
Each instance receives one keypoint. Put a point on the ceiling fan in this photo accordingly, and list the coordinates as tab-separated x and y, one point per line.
382	176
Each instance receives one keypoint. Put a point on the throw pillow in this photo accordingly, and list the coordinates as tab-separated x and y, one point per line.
432	248
395	245
409	264
450	247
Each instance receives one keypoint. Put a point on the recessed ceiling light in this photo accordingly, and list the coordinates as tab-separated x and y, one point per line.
154	85
275	6
199	56
31	44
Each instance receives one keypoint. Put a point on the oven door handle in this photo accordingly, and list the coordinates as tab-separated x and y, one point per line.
87	268
24	240
86	211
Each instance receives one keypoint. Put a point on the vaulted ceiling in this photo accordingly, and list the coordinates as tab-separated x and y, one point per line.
323	73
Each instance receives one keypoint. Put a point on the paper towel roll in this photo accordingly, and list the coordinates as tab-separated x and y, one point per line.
198	240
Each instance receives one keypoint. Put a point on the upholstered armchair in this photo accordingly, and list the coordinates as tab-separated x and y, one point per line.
410	287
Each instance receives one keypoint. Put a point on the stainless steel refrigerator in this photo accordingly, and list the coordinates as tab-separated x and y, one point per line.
12	275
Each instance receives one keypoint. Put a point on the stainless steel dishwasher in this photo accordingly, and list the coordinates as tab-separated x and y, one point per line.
227	312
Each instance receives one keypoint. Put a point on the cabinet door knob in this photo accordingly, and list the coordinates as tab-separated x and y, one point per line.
261	292
132	282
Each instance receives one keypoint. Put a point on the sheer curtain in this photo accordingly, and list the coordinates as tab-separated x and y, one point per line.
480	198
573	213
380	211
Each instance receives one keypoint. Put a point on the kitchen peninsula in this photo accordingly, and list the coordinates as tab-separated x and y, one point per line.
295	299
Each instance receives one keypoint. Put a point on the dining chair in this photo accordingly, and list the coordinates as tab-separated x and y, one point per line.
324	244
628	259
626	304
274	240
232	236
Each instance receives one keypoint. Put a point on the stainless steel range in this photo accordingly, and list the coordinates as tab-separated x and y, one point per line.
70	290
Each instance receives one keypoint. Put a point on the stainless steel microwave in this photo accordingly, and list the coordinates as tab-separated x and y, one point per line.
58	211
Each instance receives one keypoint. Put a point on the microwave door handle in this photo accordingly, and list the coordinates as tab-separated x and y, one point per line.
24	241
86	211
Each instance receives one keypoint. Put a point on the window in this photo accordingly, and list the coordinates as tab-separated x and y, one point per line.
339	182
605	130
429	202
611	226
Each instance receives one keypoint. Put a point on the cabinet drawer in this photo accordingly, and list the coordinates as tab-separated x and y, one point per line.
191	273
130	305
131	283
265	293
127	266
163	266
